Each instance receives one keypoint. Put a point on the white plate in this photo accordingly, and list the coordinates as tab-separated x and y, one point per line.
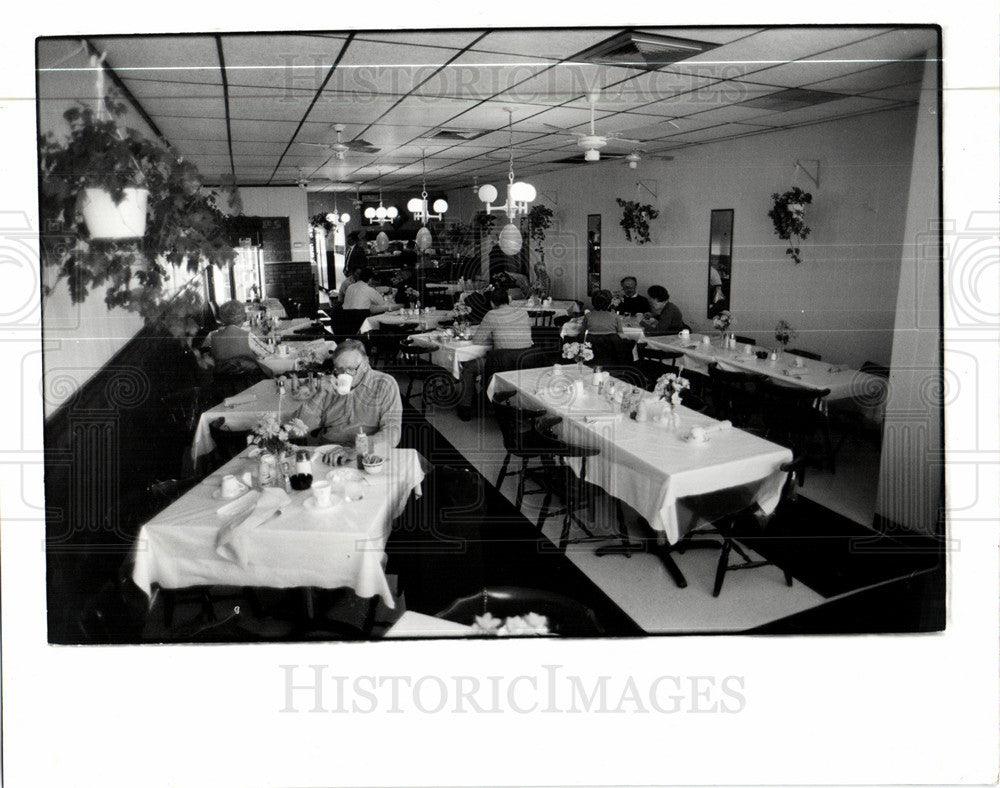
312	504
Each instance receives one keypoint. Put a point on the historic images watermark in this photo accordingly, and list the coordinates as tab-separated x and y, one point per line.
320	689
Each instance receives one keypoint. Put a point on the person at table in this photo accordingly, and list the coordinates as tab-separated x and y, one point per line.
506	330
233	350
632	303
663	317
352	277
542	286
356	397
355	256
361	295
479	305
409	257
600	320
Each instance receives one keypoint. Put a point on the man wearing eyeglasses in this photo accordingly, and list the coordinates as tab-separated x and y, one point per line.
357	397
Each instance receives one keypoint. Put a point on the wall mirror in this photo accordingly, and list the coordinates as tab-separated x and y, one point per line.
720	260
593	252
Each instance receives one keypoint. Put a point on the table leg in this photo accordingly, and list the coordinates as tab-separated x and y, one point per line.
625	546
663	552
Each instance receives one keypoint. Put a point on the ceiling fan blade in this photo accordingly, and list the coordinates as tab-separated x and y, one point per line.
561	130
363	146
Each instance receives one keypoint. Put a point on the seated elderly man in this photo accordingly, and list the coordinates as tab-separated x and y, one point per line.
357	397
361	295
507	331
631	302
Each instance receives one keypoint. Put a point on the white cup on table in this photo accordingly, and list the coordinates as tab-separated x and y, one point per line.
231	486
684	333
322	494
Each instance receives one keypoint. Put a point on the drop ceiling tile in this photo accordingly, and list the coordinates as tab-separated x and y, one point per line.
272	131
645	88
907	93
151	88
565	82
563	117
481	75
279	60
769	48
553	43
845	60
714	96
870	79
176	129
337	107
850	105
712	35
712	133
426	112
159	108
177	58
448	40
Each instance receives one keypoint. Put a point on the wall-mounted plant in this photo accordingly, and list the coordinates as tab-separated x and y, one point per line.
635	220
182	222
320	221
539	220
788	215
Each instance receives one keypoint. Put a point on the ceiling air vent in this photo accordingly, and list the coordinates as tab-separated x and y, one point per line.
794	98
643	50
455	135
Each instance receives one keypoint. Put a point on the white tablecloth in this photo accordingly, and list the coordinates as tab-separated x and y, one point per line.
241	417
342	546
425	320
276	364
632	329
645	465
451	353
560	308
841	381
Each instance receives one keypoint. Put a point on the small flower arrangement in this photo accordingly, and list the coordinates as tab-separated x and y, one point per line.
670	386
271	436
578	351
723	320
462	310
784	333
616	299
531	624
311	359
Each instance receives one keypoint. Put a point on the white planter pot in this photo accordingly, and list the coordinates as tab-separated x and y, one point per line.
105	220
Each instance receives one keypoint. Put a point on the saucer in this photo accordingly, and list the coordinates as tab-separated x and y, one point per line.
311	503
689	440
242	491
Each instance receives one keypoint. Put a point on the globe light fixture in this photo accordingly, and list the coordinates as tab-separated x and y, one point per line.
381	215
519	194
421	213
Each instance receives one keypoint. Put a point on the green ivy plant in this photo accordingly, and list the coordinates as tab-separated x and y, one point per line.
320	220
788	216
184	225
635	220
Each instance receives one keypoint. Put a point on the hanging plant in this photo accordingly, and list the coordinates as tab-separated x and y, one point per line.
635	220
320	220
184	225
788	215
539	220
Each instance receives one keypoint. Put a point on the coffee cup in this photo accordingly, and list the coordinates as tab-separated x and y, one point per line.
231	486
799	362
342	383
684	334
322	494
748	349
706	340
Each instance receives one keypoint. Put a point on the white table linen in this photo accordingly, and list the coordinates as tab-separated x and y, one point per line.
631	328
643	464
426	319
451	353
341	546
842	381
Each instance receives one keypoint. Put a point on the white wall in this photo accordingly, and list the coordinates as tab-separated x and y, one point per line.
841	298
78	339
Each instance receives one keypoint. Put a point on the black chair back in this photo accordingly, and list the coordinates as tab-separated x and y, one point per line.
611	349
347	322
792	415
804	354
541	317
654	362
228	443
745	340
734	395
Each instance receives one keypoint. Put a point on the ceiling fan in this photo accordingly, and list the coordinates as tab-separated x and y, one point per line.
592	143
341	148
637	156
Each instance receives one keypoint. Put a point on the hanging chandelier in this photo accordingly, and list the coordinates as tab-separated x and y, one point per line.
421	213
337	218
518	196
381	215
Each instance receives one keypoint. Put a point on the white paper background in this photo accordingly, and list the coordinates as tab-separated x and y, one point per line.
920	709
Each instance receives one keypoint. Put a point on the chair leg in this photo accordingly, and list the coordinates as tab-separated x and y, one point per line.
564	536
503	470
544	512
520	483
720	571
169	603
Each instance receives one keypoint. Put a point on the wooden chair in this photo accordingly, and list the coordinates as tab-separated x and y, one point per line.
745	340
384	341
541	317
804	354
794	417
415	361
745	523
733	394
654	362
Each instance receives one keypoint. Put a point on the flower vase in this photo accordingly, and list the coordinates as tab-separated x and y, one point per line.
579	369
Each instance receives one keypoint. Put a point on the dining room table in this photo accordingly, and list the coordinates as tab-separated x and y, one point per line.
651	465
426	318
702	350
631	327
271	537
451	351
242	411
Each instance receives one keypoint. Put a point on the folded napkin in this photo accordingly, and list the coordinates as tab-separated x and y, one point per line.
239	399
594	418
231	542
703	433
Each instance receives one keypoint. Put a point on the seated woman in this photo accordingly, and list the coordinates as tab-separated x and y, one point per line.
600	319
233	349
